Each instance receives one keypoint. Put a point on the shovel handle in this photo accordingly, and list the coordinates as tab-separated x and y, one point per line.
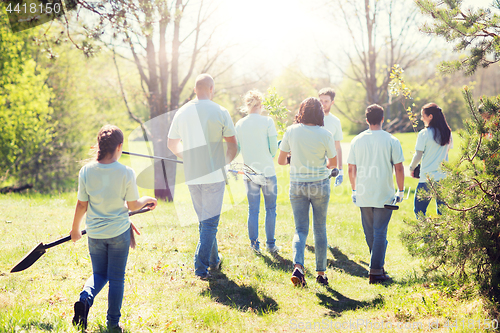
144	209
60	241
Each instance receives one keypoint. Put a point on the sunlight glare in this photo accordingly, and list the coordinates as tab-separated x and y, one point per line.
274	30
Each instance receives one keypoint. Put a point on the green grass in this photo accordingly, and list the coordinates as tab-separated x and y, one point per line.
250	294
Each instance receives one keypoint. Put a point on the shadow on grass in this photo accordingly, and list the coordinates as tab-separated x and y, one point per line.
310	248
338	303
243	298
438	279
276	261
40	326
104	329
341	261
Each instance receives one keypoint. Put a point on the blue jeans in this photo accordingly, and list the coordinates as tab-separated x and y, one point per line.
375	222
303	195
421	205
270	192
207	202
109	259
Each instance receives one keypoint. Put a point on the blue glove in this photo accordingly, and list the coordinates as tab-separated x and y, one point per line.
353	196
339	179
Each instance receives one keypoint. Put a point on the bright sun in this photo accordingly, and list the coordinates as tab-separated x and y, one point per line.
274	30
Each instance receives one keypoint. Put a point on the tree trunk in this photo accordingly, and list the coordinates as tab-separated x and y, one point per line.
159	125
175	90
164	189
371	78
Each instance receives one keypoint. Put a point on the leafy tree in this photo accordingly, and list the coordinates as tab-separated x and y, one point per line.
86	95
438	89
476	31
26	123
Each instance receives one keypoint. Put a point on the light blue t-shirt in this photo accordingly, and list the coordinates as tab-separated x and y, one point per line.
106	187
374	153
201	125
310	146
332	124
434	155
257	139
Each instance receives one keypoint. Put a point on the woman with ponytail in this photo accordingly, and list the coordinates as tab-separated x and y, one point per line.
432	147
104	187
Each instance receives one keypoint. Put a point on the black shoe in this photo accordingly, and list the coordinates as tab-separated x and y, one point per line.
376	279
256	250
298	279
116	329
322	279
81	314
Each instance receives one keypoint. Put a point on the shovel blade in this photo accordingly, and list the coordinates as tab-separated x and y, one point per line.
29	259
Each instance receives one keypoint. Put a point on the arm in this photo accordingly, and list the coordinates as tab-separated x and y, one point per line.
353	171
232	148
175	146
400	176
141	202
338	148
273	144
331	163
80	210
282	158
417	157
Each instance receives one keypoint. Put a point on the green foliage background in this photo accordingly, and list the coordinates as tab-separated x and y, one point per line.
26	123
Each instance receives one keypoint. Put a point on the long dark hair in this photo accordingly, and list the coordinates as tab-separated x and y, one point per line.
109	137
310	112
442	131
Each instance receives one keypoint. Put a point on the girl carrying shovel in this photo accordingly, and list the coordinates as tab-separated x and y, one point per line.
104	187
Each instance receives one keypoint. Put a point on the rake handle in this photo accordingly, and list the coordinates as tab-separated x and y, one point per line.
68	238
153	157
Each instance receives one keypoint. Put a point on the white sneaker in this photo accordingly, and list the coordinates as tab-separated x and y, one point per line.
274	249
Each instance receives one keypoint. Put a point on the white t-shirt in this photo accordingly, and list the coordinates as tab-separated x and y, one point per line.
106	187
201	125
374	153
310	147
254	133
332	124
434	155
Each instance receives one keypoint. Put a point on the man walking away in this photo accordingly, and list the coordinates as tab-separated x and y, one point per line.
373	154
196	136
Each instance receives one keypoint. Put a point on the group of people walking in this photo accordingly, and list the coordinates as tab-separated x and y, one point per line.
311	146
